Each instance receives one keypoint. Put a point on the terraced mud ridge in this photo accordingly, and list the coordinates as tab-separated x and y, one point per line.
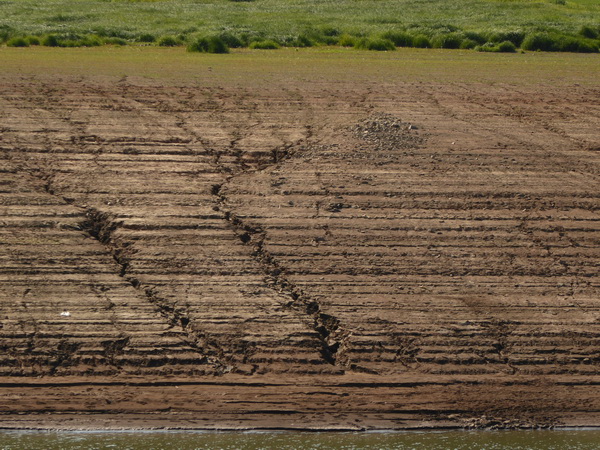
318	255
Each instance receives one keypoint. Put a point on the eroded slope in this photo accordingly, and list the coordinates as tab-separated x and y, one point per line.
430	247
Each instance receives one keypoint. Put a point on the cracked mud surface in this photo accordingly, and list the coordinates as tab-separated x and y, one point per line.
305	256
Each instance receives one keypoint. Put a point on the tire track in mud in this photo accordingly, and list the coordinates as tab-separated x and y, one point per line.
50	359
102	226
169	310
332	335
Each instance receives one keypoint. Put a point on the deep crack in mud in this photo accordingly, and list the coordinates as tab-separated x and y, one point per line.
102	226
332	335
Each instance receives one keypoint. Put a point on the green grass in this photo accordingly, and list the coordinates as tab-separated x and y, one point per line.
302	23
267	44
258	69
209	44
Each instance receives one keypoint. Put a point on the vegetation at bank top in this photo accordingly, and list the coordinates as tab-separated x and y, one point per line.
217	25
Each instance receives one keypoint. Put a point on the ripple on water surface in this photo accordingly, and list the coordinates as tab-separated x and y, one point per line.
576	439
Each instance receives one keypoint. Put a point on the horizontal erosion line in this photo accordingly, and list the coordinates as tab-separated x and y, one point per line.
22	384
77	278
458	194
134	158
371	264
343	249
427	249
67	148
429	225
367	273
376	212
437	289
157	169
411	413
281	215
74	227
330	411
508	230
357	227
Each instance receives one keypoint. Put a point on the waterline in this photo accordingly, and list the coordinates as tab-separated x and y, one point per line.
460	440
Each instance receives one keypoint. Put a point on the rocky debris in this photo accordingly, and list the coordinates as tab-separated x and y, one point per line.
497	423
336	207
387	132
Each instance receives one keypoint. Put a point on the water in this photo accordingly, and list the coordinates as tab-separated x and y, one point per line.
547	440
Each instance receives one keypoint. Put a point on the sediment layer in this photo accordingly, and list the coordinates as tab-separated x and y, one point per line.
315	256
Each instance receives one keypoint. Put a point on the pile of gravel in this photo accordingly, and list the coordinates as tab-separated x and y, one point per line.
386	132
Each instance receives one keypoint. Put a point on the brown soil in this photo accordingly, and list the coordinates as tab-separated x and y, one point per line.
317	255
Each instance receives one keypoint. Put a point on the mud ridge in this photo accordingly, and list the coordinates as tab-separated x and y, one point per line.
102	226
333	336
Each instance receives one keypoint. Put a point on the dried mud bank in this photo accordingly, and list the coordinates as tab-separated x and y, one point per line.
307	256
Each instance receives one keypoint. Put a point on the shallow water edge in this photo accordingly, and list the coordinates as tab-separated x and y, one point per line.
536	439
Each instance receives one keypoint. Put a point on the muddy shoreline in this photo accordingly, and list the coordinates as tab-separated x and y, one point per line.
316	254
347	403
